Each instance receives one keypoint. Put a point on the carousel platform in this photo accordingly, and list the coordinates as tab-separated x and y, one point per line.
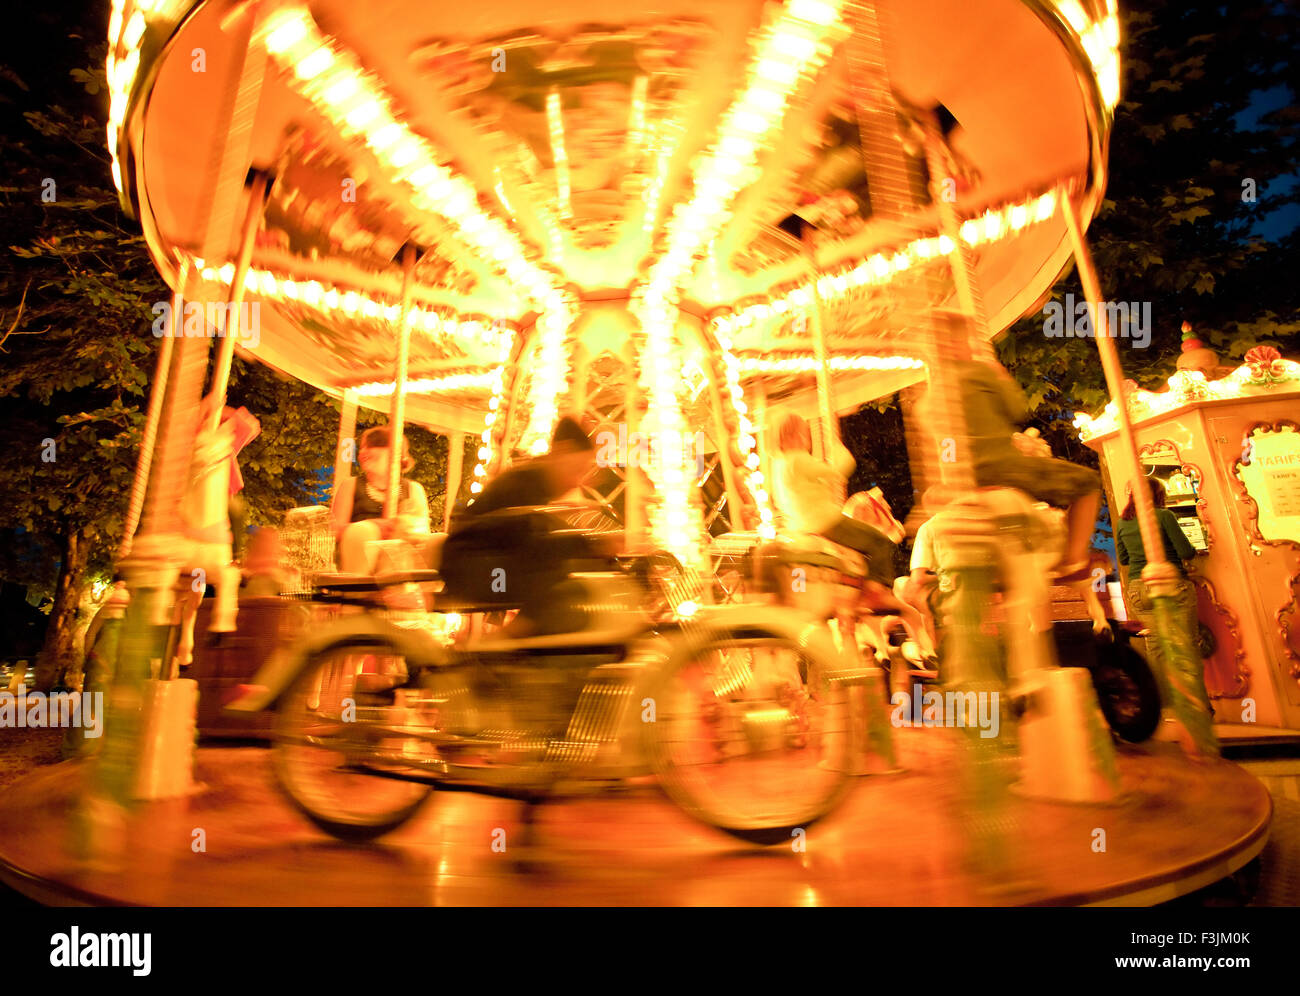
899	840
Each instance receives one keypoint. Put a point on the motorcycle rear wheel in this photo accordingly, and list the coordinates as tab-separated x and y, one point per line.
320	760
748	737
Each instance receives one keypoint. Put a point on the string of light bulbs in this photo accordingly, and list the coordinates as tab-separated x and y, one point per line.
806	363
879	269
353	304
429	385
792	46
357	105
492	416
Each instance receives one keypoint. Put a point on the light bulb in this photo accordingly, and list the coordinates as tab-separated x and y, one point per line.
285	35
342	91
362	115
315	64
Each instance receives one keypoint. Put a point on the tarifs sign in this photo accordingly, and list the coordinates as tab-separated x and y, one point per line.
1270	470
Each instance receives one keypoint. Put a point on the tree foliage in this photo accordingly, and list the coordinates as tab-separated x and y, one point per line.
77	350
74	321
1178	227
1196	177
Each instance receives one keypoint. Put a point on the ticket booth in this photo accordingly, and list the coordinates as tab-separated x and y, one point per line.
1225	445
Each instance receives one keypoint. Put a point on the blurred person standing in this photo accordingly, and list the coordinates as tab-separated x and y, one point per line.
1001	457
1133	558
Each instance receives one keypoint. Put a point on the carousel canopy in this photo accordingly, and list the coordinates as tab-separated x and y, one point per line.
546	156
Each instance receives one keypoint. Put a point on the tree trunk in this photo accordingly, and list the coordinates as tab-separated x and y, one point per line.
74	676
59	650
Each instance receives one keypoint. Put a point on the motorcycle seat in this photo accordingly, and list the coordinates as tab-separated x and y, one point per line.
581	641
339	581
810	550
445	602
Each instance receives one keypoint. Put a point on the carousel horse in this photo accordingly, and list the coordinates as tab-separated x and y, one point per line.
1001	539
205	553
1031	538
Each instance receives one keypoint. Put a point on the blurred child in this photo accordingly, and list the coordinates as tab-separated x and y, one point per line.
1001	457
359	505
810	494
265	574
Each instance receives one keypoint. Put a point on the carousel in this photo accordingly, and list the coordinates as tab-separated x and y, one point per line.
679	227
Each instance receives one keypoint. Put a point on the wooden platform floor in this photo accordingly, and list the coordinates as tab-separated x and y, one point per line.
899	840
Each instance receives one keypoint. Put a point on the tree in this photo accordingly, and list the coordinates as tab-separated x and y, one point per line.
1179	229
77	349
1193	184
874	435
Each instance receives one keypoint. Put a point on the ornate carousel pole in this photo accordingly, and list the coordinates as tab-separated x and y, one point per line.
397	416
148	747
965	530
260	188
140	483
101	678
345	446
1178	668
870	725
150	569
896	192
817	319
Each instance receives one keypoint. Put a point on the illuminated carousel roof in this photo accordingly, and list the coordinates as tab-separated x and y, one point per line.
542	156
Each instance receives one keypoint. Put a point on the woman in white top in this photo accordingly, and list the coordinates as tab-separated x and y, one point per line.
810	494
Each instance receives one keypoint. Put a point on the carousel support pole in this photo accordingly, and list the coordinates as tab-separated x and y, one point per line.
258	190
514	397
963	266
966	532
581	370
879	734
116	605
1178	668
148	739
140	483
577	399
734	504
634	494
816	314
761	430
455	460
345	448
398	415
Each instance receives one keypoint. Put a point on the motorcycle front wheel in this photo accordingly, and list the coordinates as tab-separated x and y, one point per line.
747	736
326	760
